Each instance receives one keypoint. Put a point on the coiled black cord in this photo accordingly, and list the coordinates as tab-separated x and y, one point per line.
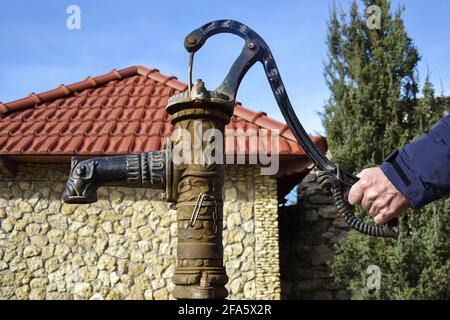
329	182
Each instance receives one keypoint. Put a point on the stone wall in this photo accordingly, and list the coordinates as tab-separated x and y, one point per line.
267	239
123	246
308	232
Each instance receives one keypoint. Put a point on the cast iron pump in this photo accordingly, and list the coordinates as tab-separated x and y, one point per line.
194	188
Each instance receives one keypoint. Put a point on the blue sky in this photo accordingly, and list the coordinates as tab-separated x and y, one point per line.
38	52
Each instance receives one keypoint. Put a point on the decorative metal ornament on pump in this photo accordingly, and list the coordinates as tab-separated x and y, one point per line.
195	187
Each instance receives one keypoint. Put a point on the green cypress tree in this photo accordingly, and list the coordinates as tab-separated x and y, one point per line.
373	110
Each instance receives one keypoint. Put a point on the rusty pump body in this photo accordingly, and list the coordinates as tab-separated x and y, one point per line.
197	192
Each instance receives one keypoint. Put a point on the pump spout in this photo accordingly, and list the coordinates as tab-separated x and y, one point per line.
146	170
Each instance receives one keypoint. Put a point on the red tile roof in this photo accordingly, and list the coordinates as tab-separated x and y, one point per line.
122	111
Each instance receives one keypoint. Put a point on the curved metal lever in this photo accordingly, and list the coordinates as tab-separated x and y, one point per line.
249	54
256	49
260	52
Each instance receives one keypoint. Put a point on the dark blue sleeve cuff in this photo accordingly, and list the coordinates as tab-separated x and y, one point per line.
409	188
421	170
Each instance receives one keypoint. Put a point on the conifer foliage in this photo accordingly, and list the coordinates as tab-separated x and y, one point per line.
376	107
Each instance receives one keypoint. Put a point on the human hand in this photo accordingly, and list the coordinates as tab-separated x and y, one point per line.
377	195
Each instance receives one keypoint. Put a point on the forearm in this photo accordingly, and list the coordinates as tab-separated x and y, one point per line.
421	169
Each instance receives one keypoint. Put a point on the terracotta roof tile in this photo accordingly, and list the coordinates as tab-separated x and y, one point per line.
120	146
15	144
122	111
122	129
130	114
3	108
67	143
76	128
3	141
40	113
40	144
50	128
9	128
92	145
27	128
99	128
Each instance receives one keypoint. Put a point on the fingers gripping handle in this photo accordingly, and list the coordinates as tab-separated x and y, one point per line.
330	181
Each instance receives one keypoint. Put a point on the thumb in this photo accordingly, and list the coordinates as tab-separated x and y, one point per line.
355	194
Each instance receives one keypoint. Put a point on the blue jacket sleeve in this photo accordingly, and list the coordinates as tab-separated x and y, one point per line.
421	170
